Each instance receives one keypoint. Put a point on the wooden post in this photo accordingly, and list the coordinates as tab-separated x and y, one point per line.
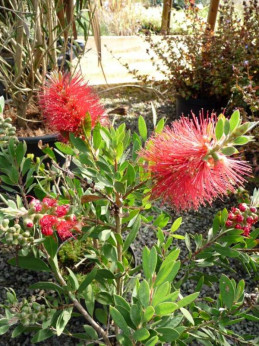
212	15
166	15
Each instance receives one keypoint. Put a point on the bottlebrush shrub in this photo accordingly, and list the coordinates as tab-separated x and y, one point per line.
201	64
109	189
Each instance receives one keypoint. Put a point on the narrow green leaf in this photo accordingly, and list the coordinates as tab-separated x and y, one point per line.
47	286
62	320
227	291
226	127
72	280
42	335
228	151
148	313
219	130
119	320
168	334
187	315
165	308
88	279
132	234
176	224
160	293
234	120
91	332
187	300
160	126
141	334
51	245
135	314
29	262
167	272
241	140
142	127
143	293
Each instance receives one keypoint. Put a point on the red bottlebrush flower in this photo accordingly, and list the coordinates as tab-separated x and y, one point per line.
46	224
47	231
62	210
64	229
65	101
49	202
36	205
183	171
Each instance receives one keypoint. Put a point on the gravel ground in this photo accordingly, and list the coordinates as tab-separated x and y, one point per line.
133	103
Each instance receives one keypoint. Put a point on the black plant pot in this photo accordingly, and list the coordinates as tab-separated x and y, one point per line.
185	107
33	148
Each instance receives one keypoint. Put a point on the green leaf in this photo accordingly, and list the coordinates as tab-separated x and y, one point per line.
219	130
47	286
160	293
62	320
241	140
149	260
42	335
88	279
177	223
141	334
132	234
143	293
121	302
78	143
72	280
188	242
167	272
149	313
227	291
187	300
168	334
135	314
91	332
187	315
119	320
104	298
18	331
101	316
228	151
234	121
165	308
4	329
20	152
51	245
160	126
142	127
226	127
131	175
29	262
240	290
64	148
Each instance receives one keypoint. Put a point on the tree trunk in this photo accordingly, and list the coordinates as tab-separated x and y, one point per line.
166	15
212	15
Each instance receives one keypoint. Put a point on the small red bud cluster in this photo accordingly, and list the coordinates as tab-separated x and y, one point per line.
243	218
54	217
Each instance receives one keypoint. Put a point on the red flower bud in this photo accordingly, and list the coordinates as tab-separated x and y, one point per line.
243	206
240	218
47	230
36	205
235	210
249	219
231	216
29	224
246	231
238	226
253	209
229	223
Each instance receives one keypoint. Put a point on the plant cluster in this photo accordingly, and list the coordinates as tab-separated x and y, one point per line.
202	63
108	182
